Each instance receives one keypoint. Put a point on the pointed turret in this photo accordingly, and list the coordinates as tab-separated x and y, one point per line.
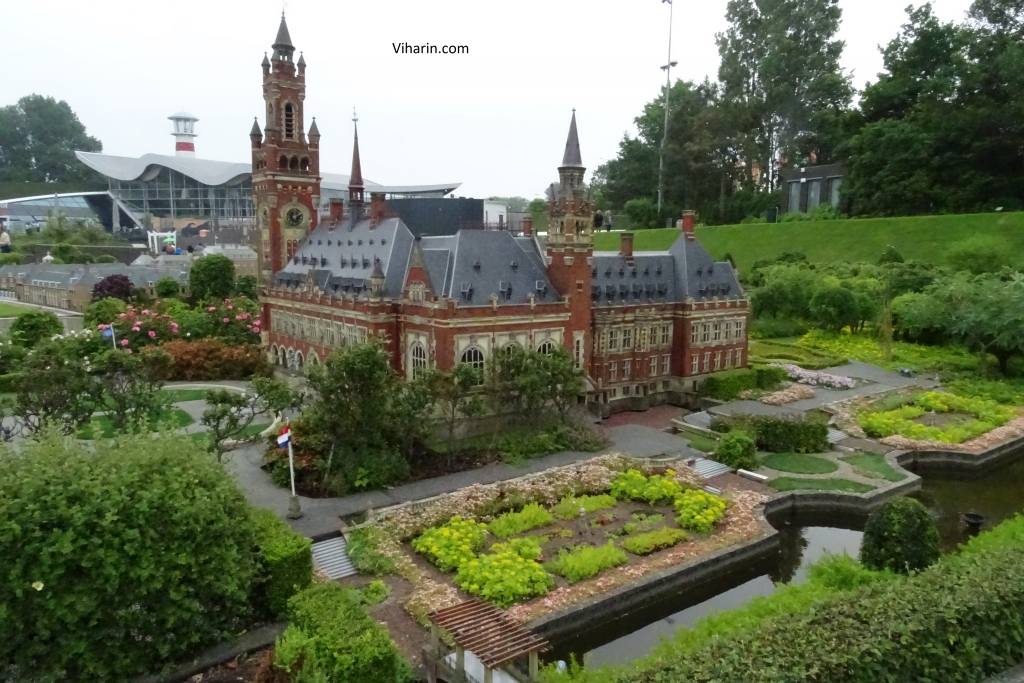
355	181
301	64
283	48
572	157
255	134
314	133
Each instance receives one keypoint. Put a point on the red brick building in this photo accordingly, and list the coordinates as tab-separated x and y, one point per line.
646	326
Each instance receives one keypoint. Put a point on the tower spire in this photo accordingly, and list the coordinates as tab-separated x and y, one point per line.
572	157
283	48
355	181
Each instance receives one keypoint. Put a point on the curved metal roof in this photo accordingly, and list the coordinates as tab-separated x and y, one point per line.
206	171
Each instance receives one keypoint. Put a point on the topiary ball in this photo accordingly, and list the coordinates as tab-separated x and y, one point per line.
900	536
737	450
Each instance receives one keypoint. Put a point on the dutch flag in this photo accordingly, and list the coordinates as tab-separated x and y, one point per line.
284	437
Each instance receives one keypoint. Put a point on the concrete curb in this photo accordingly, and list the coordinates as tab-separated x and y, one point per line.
219	654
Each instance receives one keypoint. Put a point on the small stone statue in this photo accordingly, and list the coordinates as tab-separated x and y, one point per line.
584	528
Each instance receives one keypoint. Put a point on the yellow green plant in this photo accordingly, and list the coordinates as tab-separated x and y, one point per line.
453	544
569	507
633	485
699	511
532	516
503	578
644	544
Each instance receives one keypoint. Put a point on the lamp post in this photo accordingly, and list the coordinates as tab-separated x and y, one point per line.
668	85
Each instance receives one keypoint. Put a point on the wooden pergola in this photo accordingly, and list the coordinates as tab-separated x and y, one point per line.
487	632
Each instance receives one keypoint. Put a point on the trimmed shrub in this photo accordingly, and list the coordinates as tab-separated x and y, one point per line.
28	329
726	386
332	640
737	450
900	536
120	556
212	359
587	561
644	544
287	561
790	435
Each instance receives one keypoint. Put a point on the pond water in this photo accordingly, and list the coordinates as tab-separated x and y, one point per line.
997	495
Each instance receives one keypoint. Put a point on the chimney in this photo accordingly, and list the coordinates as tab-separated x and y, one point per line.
528	226
626	244
378	210
337	209
686	224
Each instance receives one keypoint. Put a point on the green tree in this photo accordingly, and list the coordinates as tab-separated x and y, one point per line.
33	327
737	450
230	413
781	79
835	307
167	287
131	387
985	312
561	379
247	286
643	213
125	556
980	254
103	312
54	388
38	140
900	536
212	277
456	397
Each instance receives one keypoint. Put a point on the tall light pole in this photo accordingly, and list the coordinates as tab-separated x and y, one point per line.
668	85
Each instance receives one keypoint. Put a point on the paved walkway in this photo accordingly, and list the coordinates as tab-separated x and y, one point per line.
1014	675
322	514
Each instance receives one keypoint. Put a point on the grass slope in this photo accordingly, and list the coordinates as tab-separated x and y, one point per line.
873	465
798	463
862	239
795	484
13	310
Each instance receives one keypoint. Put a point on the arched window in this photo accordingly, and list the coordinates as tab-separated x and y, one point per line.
546	348
511	348
304	164
418	359
294	165
473	357
298	361
282	162
276	355
289	121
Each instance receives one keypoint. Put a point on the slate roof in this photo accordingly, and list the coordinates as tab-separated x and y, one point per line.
433	216
88	275
685	271
572	156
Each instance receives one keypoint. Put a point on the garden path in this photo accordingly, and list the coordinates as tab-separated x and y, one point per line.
321	515
1014	675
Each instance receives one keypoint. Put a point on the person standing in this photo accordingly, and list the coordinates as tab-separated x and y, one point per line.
608	220
5	240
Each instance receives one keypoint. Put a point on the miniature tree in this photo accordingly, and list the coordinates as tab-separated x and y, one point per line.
900	536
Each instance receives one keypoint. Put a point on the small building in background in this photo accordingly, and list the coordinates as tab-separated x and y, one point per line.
69	286
243	257
807	187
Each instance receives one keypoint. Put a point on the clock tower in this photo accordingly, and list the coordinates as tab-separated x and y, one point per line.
285	160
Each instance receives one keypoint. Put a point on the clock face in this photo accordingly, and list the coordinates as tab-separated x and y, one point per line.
294	217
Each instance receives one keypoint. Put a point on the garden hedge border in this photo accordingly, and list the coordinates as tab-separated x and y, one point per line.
287	559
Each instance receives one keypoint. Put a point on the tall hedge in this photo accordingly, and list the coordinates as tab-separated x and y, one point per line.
119	557
286	559
333	640
790	435
957	622
726	386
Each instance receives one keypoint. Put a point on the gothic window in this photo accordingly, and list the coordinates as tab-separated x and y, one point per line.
289	121
546	348
511	348
282	163
418	359
294	164
304	164
473	357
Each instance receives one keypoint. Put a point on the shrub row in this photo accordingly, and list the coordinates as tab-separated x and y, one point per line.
726	386
779	434
213	359
287	562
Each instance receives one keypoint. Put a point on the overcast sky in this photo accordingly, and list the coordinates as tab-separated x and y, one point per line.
495	119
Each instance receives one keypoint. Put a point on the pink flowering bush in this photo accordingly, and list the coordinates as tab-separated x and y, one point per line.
816	378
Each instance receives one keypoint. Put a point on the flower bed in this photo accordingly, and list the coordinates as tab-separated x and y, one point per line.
633	485
503	577
586	561
699	510
453	544
791	394
532	516
645	544
816	378
900	422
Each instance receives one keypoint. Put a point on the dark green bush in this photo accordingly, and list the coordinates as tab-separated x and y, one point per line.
769	377
790	435
737	450
332	640
900	536
28	329
720	425
286	560
119	557
726	386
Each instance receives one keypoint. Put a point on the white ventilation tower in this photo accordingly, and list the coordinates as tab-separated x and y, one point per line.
184	133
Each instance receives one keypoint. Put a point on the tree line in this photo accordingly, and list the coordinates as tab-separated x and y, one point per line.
938	131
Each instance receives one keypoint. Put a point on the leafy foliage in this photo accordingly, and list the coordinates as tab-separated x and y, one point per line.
699	511
900	536
213	359
633	485
586	561
503	577
532	516
103	312
988	415
527	548
286	559
30	328
453	544
364	551
569	507
132	386
212	277
38	140
114	287
790	435
332	639
122	556
726	386
55	388
231	413
737	450
645	544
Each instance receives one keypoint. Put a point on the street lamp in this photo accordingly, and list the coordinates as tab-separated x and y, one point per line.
668	84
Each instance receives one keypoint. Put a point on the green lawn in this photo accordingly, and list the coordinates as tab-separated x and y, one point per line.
798	463
797	484
873	465
102	426
699	441
776	351
863	239
13	310
250	431
179	395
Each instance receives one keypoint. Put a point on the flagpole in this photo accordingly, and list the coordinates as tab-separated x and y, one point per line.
294	507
